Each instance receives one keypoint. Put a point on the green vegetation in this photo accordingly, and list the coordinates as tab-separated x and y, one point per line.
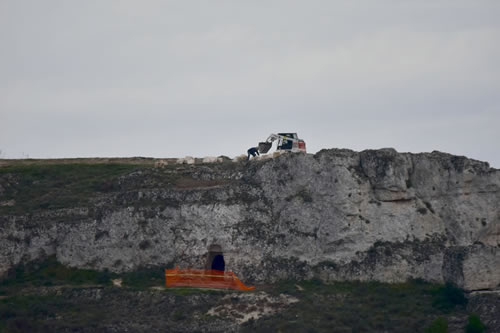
362	307
84	295
30	313
440	325
474	324
449	297
35	295
188	291
32	186
52	273
55	186
144	278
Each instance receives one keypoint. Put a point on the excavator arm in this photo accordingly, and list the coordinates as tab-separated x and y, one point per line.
273	137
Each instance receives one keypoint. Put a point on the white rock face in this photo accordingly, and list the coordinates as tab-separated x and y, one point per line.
339	214
212	159
186	160
480	267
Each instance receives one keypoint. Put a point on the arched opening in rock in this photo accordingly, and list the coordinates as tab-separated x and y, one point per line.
215	258
218	263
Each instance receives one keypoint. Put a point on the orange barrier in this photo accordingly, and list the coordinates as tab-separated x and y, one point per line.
203	278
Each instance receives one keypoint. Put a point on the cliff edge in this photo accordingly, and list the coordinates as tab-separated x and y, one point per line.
336	215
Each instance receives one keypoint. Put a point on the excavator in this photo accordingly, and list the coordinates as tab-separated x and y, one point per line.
287	142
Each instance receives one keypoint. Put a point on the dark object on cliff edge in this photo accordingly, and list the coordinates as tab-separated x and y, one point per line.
252	151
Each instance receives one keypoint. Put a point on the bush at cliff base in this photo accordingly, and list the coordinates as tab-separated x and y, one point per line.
440	325
474	324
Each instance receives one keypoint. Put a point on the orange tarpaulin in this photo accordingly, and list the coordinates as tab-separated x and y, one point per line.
203	278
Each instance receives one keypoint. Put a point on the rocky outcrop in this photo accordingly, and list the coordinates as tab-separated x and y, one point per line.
336	215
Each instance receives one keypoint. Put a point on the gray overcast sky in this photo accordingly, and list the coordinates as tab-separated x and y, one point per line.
208	78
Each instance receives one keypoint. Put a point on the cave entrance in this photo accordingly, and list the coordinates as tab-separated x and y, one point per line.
215	258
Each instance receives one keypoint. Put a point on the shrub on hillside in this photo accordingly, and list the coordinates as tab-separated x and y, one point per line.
474	325
440	325
448	297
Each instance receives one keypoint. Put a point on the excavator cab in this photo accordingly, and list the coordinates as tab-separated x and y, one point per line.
283	143
286	142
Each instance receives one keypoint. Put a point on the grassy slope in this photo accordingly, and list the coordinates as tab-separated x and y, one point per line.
53	186
337	307
362	307
34	185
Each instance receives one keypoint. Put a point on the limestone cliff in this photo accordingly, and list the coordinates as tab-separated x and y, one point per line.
336	215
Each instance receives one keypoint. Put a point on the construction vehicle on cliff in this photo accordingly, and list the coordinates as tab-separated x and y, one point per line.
287	142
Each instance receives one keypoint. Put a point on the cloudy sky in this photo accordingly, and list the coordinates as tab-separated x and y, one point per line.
208	78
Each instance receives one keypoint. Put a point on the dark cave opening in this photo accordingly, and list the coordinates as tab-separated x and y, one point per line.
215	258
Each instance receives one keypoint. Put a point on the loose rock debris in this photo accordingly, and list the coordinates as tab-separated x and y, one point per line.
244	307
